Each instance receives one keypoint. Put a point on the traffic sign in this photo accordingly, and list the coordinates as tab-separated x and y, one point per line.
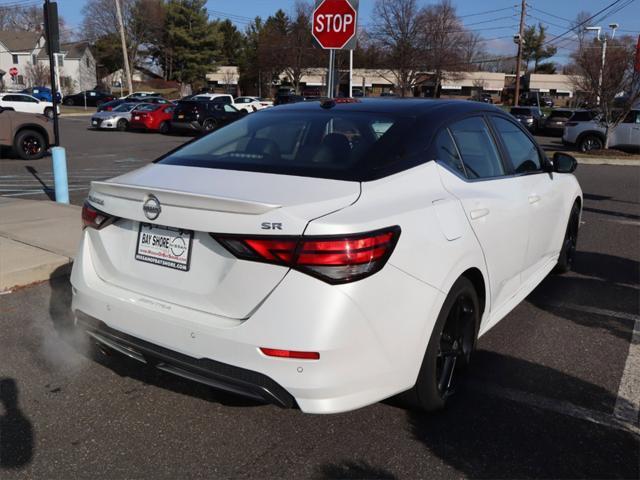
13	71
334	24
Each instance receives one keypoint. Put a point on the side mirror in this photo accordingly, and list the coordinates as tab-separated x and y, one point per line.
564	163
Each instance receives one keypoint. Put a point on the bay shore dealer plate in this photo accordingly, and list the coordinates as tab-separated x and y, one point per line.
164	246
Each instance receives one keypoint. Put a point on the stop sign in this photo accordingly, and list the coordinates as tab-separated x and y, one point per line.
13	71
334	23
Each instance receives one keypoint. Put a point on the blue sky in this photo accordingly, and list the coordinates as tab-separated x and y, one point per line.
497	27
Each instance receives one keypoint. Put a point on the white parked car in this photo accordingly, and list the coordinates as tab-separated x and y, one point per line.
214	97
251	104
589	135
326	255
21	102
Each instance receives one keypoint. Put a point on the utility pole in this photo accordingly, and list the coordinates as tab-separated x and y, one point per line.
523	12
125	56
603	41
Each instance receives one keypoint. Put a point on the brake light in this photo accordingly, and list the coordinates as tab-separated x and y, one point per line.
94	218
333	259
274	352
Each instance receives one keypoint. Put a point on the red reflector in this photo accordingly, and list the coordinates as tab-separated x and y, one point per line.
274	352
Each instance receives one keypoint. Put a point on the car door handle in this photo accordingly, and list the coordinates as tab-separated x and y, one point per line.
479	213
534	199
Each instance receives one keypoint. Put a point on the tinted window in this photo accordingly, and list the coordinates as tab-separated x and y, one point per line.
582	116
522	151
446	152
520	111
324	144
479	153
560	114
147	107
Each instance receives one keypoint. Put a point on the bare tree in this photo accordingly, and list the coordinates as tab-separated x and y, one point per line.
299	52
444	38
620	87
398	30
37	74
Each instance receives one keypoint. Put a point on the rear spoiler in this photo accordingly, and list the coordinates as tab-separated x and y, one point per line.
178	198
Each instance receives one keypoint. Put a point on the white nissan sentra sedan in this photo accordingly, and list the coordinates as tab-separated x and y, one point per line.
326	254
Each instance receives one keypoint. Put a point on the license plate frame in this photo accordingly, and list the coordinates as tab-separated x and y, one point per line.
169	256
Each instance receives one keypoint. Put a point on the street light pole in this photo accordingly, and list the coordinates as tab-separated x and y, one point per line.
603	41
523	11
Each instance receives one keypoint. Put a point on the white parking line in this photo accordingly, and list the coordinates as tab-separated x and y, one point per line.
599	311
627	406
557	406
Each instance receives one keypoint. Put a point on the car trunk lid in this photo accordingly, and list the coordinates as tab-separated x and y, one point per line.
204	201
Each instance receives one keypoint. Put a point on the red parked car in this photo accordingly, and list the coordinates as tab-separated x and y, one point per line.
152	117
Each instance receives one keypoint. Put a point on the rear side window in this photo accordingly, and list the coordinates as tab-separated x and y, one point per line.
524	154
582	116
447	152
479	153
322	143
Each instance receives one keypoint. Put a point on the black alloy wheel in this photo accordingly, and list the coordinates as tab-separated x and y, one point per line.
165	127
30	145
570	242
69	102
591	142
49	112
456	344
122	125
209	125
450	347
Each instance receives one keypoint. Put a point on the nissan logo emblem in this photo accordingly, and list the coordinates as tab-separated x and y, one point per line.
151	207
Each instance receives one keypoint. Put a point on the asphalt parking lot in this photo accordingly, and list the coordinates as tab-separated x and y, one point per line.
553	391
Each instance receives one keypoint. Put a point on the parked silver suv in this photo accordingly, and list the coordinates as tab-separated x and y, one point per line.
589	135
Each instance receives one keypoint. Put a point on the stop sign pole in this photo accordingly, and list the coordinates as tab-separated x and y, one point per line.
334	26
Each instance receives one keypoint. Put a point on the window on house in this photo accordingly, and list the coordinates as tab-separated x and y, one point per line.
15	59
60	60
88	63
34	59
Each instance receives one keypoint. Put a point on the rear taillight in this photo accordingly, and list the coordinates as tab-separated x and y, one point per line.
275	352
94	218
571	124
333	259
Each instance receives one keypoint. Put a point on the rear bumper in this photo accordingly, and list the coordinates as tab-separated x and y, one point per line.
216	374
370	348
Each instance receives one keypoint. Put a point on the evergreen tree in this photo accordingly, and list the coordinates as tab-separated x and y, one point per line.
232	43
192	43
534	47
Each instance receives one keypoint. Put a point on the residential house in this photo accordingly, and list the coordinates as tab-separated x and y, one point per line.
24	50
76	64
18	50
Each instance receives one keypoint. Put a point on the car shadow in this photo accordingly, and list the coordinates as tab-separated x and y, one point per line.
603	294
16	431
63	322
491	430
9	154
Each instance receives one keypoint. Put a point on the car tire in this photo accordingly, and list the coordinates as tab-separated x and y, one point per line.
48	112
122	125
209	125
570	242
29	145
69	102
590	142
455	333
165	127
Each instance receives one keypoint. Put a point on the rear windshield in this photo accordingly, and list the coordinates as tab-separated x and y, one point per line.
520	111
561	113
125	107
585	116
323	143
147	107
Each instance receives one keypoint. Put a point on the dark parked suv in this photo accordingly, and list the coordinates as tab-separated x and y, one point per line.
199	116
530	117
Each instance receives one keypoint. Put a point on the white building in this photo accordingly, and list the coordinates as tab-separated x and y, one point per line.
18	50
23	50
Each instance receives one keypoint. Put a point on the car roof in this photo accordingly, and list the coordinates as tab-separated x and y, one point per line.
413	107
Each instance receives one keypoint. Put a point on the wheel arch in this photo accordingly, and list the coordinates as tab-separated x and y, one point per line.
38	128
595	133
475	276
